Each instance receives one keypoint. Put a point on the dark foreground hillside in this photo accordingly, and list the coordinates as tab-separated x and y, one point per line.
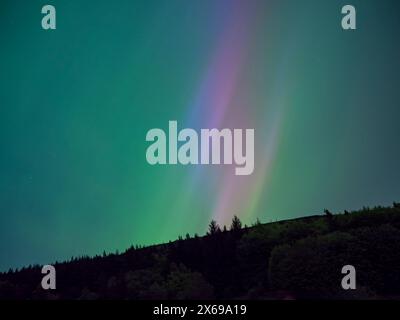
299	258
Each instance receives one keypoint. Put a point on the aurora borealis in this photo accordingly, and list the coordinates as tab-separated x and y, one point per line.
76	104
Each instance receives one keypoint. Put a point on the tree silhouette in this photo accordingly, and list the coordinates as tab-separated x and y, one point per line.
236	224
213	228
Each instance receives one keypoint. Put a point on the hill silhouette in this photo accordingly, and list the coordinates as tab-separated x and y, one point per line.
299	258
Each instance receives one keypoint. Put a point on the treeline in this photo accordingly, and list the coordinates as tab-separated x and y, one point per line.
300	258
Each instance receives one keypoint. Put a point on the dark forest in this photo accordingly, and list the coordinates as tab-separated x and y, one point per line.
293	259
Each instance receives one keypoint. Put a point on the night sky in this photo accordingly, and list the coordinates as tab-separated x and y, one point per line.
76	104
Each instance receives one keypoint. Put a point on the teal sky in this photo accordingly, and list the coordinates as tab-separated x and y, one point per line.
76	104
